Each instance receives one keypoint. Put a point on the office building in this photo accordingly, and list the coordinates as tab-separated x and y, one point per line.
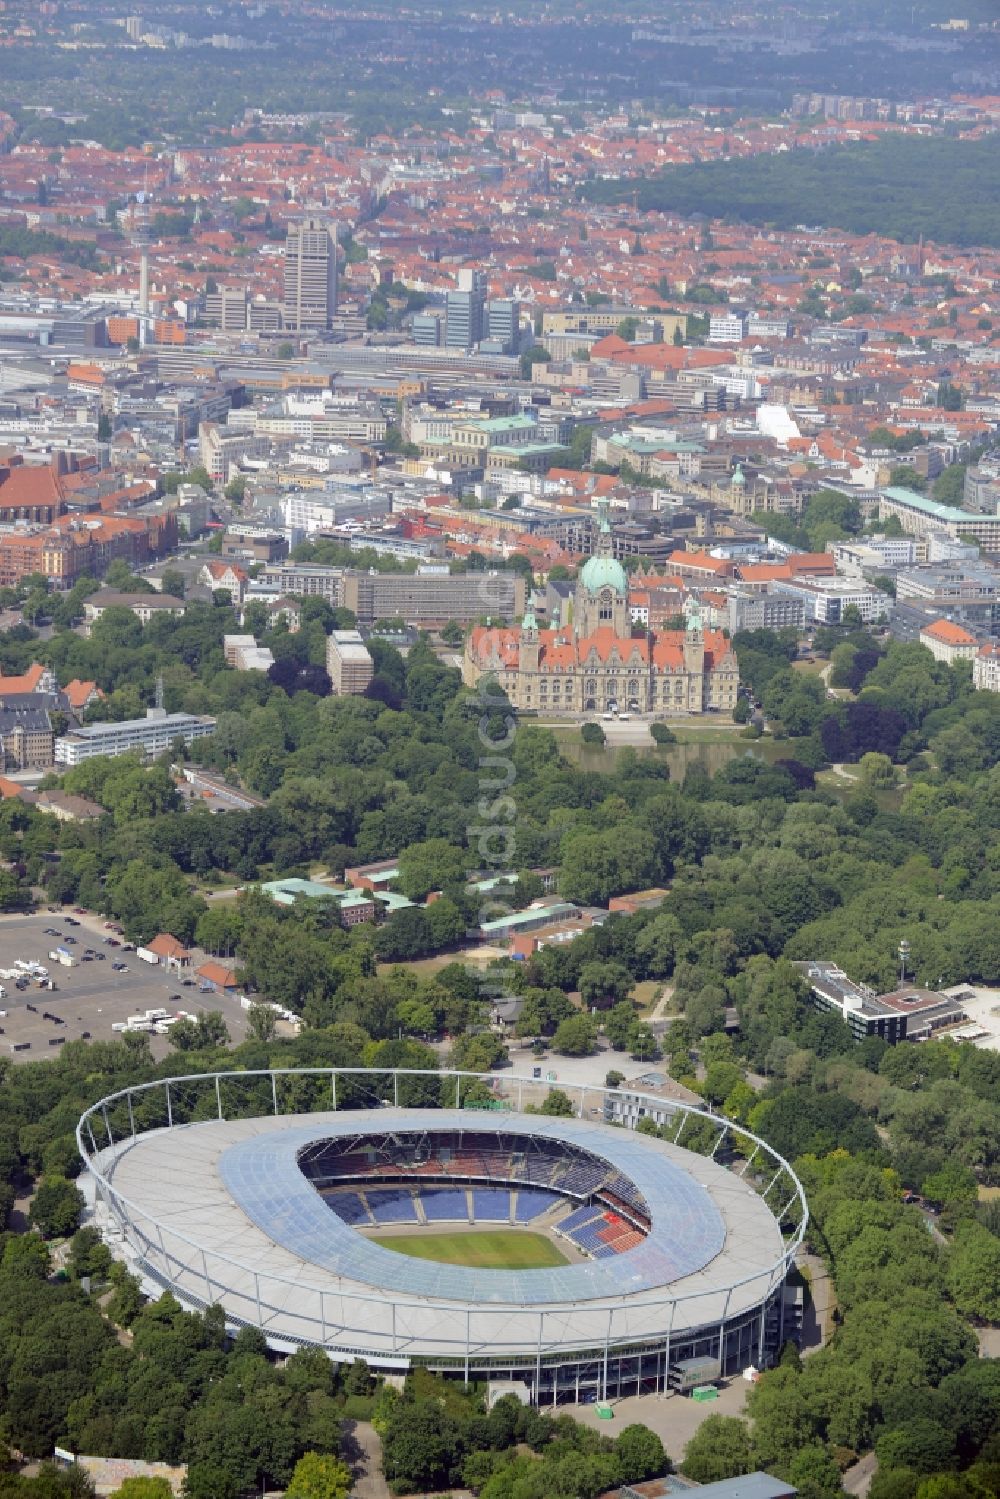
434	597
827	602
949	642
227	308
464	311
919	515
909	1013
728	327
348	664
426	329
310	275
150	735
746	610
503	320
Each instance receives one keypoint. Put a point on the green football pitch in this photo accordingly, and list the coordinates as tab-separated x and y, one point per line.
490	1249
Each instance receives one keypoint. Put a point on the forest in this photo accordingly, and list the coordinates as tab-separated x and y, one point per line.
900	186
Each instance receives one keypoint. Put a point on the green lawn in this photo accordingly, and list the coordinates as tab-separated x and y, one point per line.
491	1249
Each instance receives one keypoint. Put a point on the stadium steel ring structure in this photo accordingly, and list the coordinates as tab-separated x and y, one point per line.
210	1186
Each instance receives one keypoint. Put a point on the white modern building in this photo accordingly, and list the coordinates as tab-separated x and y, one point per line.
727	327
826	603
150	736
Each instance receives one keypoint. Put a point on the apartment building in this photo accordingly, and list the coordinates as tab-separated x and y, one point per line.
244	654
986	668
299	579
151	735
348	664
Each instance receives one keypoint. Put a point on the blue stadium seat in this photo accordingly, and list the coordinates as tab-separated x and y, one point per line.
444	1205
532	1203
491	1205
392	1206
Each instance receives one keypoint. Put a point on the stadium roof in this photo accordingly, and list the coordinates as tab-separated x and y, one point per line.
264	1178
191	1234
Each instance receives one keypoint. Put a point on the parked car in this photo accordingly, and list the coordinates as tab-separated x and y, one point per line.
120	967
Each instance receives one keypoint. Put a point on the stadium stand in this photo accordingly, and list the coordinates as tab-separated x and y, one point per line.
444	1205
349	1206
392	1206
532	1203
611	1215
490	1205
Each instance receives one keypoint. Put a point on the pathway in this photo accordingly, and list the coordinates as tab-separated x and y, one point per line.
659	1010
361	1449
817	1320
858	1478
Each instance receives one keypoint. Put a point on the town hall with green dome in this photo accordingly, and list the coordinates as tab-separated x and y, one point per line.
595	661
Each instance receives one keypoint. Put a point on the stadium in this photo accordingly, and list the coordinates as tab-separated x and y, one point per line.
334	1208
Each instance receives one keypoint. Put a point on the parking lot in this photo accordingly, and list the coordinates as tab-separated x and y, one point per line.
89	996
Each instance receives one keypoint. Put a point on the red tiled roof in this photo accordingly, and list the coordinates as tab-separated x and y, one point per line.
948	633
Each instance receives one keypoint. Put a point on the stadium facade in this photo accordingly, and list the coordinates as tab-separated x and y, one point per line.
261	1191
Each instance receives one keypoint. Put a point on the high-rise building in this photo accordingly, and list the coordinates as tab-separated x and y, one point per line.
464	310
503	317
226	308
310	274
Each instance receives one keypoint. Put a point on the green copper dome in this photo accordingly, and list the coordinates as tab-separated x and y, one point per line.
603	572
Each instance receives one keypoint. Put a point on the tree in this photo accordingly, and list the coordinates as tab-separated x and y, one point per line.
877	770
575	1037
592	733
922	1444
173	582
208	1030
662	735
55	1208
319	1475
719	1449
262	1022
144	1488
814	1473
603	984
641	1454
973	1274
535	355
557	1105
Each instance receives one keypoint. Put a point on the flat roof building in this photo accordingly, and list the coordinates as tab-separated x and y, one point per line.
150	735
909	1013
348	663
